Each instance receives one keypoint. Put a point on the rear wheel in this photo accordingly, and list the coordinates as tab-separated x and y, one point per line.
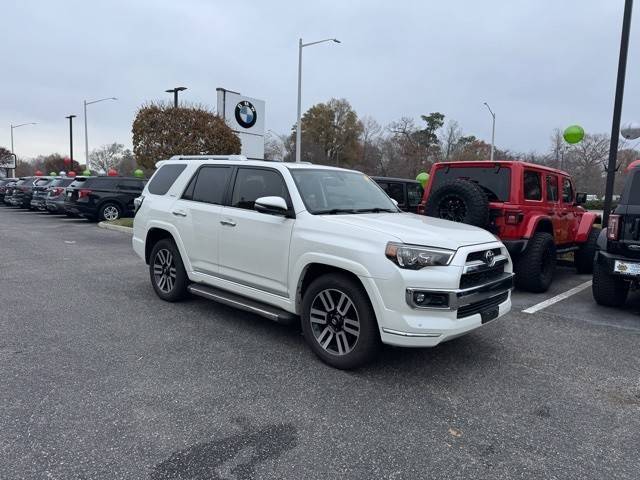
339	323
110	212
168	276
608	290
536	266
583	258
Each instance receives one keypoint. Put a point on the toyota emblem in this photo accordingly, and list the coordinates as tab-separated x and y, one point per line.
489	258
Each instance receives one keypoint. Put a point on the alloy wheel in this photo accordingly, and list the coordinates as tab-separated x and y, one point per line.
453	208
110	213
164	270
334	321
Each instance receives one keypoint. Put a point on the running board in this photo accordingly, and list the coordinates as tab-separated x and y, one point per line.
243	303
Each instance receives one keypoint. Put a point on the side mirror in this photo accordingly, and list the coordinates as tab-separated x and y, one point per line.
581	198
271	205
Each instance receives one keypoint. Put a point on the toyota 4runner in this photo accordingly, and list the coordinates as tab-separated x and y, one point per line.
617	264
533	209
323	246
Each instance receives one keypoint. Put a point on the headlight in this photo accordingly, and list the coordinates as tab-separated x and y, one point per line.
415	258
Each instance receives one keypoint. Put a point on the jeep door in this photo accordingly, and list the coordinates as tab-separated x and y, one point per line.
254	246
568	209
196	215
555	211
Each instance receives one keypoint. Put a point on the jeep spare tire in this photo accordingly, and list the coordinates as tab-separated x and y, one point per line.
459	201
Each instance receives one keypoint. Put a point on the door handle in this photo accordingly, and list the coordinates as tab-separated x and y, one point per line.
228	223
179	213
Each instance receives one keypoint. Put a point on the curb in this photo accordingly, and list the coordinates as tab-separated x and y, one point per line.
117	228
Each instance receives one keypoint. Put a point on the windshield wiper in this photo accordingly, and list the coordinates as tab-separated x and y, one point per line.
376	210
333	211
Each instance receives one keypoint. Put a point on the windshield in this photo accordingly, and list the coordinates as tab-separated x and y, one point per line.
340	192
494	180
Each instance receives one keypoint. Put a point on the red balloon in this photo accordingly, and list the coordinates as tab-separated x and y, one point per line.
71	174
66	160
112	172
38	173
632	165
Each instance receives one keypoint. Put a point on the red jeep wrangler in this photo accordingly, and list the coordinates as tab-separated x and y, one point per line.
534	210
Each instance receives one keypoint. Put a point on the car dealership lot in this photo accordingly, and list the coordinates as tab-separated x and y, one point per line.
101	379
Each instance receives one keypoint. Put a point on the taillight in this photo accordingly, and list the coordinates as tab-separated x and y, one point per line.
137	202
613	227
513	218
84	192
56	191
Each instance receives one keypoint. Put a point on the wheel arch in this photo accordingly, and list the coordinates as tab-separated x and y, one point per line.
588	220
154	235
538	224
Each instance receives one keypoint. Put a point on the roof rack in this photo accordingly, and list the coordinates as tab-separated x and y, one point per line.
209	157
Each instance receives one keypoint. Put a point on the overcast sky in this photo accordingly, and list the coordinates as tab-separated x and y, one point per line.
540	64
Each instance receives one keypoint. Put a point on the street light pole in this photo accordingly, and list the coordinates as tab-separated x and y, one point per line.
493	129
86	132
175	94
617	111
12	128
299	122
71	117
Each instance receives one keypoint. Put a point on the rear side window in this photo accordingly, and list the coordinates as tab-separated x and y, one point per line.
414	194
208	185
41	182
567	191
552	188
164	178
78	183
131	185
395	191
494	180
532	185
253	183
103	182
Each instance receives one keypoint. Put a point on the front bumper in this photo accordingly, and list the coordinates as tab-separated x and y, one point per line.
401	323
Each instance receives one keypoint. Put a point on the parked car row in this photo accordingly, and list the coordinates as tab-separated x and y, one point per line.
94	198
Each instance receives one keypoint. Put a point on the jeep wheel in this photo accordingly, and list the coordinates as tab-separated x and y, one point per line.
459	201
608	290
338	322
583	258
167	273
535	266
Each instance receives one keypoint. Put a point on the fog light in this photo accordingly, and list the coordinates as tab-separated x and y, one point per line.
428	299
419	298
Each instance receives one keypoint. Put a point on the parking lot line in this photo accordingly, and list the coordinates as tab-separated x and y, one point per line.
558	298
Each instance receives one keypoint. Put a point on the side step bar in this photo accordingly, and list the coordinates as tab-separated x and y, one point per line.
243	303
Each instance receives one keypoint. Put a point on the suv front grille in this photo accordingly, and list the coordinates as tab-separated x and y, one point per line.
474	279
475	256
482	305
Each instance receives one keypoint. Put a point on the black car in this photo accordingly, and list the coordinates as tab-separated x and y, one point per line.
4	184
8	191
22	191
55	194
407	192
103	198
39	192
617	261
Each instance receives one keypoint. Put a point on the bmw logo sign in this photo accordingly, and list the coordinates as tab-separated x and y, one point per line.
246	115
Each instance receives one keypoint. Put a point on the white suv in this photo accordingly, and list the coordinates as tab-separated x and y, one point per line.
320	245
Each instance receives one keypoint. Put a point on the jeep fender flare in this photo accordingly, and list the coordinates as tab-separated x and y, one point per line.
586	224
602	240
538	223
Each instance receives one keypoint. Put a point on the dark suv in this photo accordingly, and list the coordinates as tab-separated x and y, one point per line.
54	196
4	183
617	262
408	193
103	198
22	191
39	192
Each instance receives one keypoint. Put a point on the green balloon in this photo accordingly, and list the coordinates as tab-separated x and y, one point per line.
423	178
138	173
87	173
573	134
53	174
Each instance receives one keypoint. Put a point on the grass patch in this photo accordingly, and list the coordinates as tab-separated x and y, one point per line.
123	222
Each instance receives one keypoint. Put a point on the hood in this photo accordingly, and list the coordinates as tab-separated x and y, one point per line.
418	229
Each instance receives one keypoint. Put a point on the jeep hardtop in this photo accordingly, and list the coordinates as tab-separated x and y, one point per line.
533	209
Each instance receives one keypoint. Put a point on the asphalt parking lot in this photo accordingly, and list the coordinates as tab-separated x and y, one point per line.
101	379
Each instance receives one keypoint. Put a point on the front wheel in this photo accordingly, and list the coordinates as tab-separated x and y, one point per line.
168	276
339	323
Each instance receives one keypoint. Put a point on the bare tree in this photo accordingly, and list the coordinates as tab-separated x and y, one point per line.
107	156
450	139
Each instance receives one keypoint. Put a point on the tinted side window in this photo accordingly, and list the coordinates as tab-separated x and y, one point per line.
164	178
567	191
255	183
135	185
552	188
532	186
414	194
102	183
210	184
396	191
634	190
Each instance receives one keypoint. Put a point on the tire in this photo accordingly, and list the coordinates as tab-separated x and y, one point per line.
583	258
607	289
459	201
110	211
349	336
534	268
165	263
